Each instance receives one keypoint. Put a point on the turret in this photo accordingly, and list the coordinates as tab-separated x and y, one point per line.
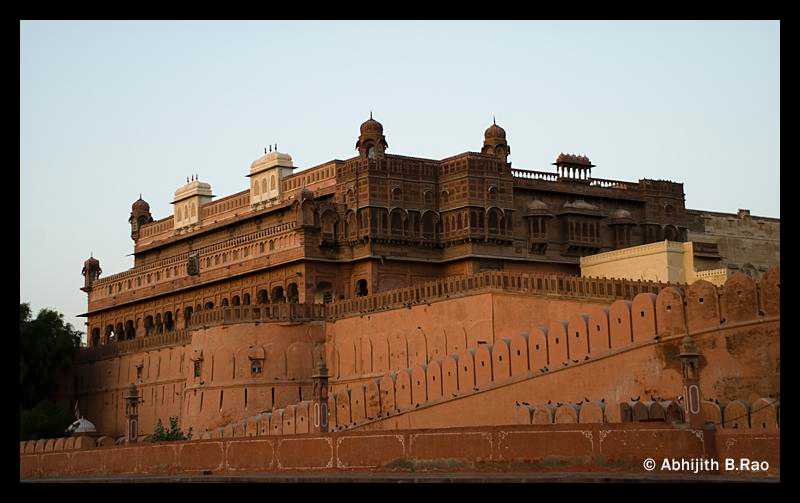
91	271
140	215
371	142
573	166
188	200
266	174
494	142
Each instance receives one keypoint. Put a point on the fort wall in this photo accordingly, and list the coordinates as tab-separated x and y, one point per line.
576	448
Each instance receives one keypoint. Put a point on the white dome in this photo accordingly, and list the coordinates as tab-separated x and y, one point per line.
81	426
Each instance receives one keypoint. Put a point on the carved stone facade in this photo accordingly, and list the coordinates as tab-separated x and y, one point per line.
329	237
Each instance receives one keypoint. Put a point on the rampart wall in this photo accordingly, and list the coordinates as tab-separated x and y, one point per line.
629	350
575	448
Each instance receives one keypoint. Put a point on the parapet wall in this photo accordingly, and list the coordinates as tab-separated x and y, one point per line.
572	448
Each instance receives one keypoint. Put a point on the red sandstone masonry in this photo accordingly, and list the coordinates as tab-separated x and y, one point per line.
580	448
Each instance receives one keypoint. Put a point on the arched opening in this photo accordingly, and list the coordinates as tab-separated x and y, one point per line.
324	293
670	233
169	323
119	332
292	293
224	302
187	316
130	331
246	299
397	222
330	224
148	325
493	221
361	288
109	335
262	297
209	305
428	225
235	300
159	324
277	294
95	337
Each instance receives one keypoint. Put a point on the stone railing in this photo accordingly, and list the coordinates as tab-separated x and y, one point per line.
263	313
613	184
605	289
119	348
534	175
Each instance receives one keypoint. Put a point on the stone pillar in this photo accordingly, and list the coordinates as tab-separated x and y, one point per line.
318	422
132	413
690	359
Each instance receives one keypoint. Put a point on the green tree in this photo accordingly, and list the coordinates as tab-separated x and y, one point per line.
47	350
160	434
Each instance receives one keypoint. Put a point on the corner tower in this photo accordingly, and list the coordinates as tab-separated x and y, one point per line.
91	271
140	215
494	142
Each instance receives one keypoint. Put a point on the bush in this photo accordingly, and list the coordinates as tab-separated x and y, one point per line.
45	420
161	434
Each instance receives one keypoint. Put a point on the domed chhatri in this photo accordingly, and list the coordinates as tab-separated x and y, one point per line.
81	427
91	271
573	166
494	131
140	215
371	126
140	205
494	142
371	143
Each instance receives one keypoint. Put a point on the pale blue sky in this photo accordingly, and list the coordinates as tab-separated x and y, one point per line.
111	109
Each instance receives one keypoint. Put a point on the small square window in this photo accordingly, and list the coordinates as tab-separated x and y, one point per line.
255	367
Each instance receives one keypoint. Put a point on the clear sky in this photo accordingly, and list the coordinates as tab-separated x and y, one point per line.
112	109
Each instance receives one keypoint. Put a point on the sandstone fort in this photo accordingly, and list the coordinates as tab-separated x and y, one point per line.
387	309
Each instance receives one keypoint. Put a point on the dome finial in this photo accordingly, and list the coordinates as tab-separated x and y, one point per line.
370	114
493	120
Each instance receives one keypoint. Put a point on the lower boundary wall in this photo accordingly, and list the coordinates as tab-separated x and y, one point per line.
522	449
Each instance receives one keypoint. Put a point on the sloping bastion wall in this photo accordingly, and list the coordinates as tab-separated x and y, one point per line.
594	356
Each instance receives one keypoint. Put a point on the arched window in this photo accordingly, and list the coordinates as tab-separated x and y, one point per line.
494	221
187	316
130	331
148	325
428	225
194	210
246	299
361	288
397	194
397	222
263	185
324	292
95	337
262	297
277	294
235	300
272	183
209	305
224	302
169	325
292	293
